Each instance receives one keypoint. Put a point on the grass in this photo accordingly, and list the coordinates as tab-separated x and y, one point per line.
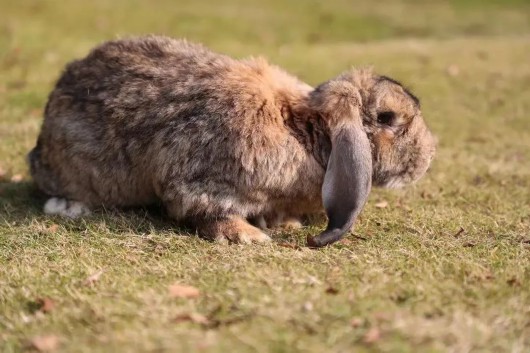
445	267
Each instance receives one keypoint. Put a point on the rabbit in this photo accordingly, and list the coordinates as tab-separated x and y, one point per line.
220	141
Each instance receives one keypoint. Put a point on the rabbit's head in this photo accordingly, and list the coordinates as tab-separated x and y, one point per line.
402	145
377	135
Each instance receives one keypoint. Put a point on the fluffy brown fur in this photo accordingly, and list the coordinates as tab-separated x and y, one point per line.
217	140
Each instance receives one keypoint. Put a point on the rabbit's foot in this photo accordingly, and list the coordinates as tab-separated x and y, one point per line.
277	221
282	220
291	223
66	208
232	229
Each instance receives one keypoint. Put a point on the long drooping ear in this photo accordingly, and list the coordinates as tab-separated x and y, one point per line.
348	177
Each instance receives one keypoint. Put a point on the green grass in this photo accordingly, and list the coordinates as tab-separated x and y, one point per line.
445	267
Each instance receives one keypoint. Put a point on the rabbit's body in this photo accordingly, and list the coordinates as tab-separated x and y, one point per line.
122	128
215	139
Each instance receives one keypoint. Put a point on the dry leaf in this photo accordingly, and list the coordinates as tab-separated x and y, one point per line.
381	204
356	322
183	291
17	178
477	180
346	241
381	316
460	232
53	228
230	321
373	335
289	245
351	296
453	70
359	237
308	306
426	195
332	290
47	343
514	282
45	304
192	317
93	278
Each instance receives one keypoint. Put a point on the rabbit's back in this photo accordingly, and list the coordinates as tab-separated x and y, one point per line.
130	81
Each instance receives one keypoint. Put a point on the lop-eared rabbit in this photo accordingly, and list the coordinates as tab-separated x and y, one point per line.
221	141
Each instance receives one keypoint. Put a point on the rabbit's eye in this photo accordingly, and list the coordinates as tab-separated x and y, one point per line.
386	118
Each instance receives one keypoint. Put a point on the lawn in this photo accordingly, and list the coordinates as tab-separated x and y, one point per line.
441	266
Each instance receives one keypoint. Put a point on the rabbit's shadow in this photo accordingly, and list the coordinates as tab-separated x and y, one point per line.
21	204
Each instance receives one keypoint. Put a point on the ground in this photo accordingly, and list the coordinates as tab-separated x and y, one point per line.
442	266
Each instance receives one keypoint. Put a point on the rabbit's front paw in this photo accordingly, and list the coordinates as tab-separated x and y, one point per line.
291	223
282	220
233	229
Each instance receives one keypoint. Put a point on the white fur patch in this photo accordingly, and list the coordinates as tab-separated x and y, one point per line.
65	208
